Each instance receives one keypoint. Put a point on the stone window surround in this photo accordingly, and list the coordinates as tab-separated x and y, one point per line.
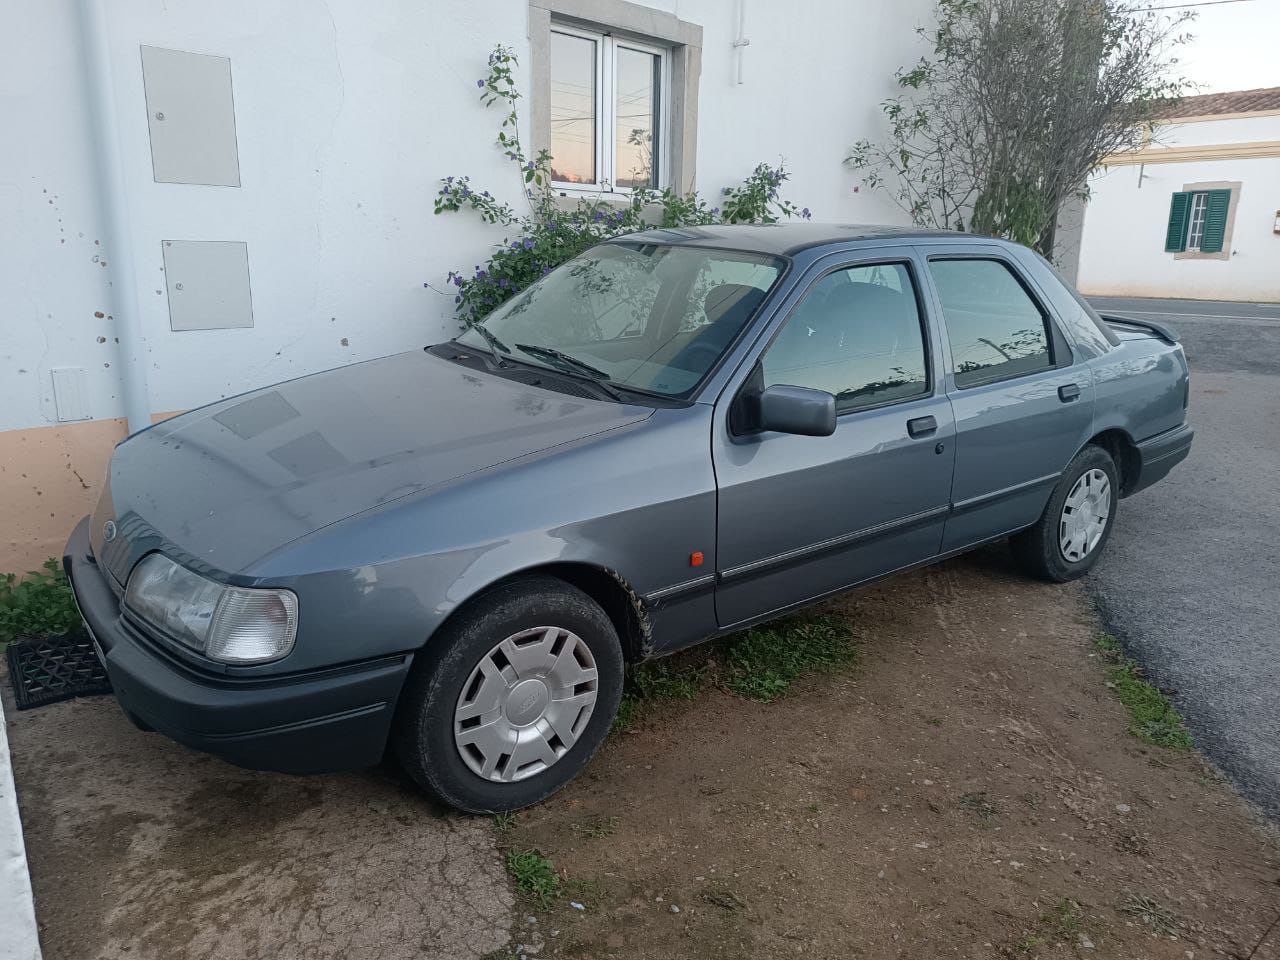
682	38
1225	252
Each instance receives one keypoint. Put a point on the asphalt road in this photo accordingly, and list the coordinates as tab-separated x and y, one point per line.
1190	582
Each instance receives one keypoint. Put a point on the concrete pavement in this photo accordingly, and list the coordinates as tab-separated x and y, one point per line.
1191	578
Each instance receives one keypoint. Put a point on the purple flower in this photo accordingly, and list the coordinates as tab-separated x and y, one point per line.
528	243
805	213
479	83
714	211
457	280
503	283
480	275
598	217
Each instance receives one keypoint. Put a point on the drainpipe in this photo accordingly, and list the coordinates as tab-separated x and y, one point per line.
122	278
742	42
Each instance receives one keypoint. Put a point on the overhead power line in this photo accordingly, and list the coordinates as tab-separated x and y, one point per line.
1183	6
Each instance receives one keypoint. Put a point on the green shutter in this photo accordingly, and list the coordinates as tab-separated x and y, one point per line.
1175	238
1215	221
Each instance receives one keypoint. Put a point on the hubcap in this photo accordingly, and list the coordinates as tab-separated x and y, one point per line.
525	704
1084	515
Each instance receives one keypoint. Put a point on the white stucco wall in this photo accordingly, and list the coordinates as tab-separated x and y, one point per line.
1122	248
348	114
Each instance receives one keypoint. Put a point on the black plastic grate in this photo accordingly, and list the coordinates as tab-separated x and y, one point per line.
48	669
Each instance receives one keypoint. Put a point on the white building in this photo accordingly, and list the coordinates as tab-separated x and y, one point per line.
1196	213
198	199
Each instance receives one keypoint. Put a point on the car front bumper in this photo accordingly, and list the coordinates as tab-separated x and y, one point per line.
315	722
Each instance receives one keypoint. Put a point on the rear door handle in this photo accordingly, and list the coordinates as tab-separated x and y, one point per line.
1068	392
922	426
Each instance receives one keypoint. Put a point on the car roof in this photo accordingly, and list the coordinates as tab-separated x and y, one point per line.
786	239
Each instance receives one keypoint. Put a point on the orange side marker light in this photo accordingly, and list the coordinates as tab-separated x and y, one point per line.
695	558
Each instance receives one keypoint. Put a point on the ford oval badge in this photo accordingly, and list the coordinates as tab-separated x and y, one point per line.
109	531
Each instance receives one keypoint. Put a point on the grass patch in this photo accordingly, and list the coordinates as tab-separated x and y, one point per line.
1152	913
761	663
1152	716
1065	920
660	681
980	806
504	823
40	604
534	875
597	828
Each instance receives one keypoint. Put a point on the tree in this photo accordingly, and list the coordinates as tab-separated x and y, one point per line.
1019	102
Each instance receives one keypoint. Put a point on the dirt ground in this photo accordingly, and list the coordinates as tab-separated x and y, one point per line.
968	789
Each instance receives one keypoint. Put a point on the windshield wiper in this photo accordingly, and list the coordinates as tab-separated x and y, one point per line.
595	374
497	346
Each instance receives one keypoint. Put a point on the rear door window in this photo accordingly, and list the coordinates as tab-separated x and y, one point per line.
996	329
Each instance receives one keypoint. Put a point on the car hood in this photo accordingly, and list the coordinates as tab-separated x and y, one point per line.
225	485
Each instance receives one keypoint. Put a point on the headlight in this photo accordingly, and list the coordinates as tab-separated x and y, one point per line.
231	624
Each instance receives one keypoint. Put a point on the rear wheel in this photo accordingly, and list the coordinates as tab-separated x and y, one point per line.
516	694
1070	535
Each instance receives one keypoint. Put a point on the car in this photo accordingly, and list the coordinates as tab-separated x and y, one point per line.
452	553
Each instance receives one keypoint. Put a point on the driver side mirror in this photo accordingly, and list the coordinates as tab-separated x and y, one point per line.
799	410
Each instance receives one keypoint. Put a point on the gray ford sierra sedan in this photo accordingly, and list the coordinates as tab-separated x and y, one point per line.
453	552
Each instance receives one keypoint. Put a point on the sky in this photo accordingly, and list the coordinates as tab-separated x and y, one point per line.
1236	46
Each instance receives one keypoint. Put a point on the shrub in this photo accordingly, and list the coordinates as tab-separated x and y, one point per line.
38	605
551	233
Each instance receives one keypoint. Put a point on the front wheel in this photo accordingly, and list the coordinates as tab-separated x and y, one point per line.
512	697
1069	537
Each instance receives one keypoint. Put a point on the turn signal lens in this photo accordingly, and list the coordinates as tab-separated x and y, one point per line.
231	624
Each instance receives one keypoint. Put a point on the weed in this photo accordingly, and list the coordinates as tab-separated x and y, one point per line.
587	892
534	876
39	605
658	681
667	680
504	823
597	827
1027	945
722	898
978	803
1065	920
763	662
1156	916
934	721
1153	717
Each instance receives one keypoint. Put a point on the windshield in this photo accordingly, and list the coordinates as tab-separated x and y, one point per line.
652	317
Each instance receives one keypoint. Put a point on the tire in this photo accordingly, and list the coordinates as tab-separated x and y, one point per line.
466	698
1040	548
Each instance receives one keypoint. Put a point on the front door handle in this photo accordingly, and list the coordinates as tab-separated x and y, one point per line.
1068	392
922	426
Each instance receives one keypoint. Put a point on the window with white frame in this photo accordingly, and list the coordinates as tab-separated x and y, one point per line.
1195	226
608	111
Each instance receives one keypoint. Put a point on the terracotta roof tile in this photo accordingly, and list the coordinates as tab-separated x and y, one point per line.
1211	104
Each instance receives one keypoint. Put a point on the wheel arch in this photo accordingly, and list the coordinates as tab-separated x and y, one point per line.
1120	445
606	586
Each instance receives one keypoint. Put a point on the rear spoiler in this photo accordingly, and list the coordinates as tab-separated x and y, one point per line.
1165	333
